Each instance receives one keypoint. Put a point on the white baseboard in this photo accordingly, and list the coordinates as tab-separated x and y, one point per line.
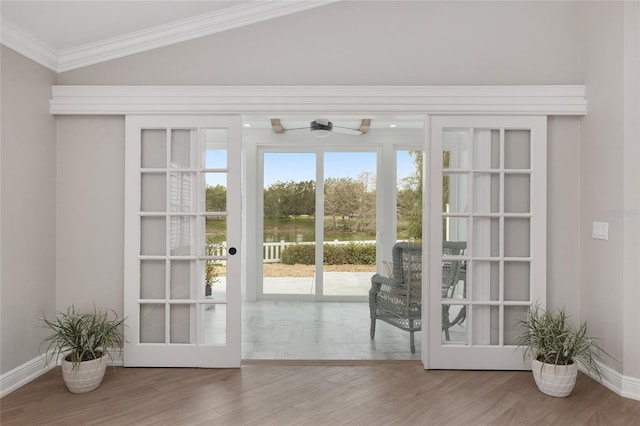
23	374
626	386
35	368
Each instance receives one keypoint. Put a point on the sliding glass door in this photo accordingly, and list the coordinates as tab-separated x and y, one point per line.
319	223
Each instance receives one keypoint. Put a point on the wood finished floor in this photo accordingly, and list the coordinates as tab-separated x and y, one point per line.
313	393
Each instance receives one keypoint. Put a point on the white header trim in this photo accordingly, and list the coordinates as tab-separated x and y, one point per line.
120	100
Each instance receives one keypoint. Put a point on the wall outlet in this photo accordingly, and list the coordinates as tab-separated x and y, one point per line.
601	230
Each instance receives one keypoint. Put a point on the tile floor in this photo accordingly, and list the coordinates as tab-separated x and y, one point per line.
312	331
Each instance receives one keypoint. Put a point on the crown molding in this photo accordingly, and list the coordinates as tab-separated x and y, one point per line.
122	100
251	12
22	42
182	30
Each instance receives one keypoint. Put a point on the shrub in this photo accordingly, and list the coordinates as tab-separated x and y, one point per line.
334	254
299	254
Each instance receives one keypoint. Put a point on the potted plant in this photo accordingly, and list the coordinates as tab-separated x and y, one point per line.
83	340
555	348
211	266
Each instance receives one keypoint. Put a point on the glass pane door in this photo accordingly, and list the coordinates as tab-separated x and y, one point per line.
319	241
489	253
182	288
289	223
349	249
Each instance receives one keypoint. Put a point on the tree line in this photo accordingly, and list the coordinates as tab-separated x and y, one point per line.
349	203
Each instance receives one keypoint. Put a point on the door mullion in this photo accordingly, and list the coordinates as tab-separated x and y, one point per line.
319	259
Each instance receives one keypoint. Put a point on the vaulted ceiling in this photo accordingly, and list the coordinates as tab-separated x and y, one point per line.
65	35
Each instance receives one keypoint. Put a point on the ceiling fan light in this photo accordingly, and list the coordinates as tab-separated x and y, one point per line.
320	133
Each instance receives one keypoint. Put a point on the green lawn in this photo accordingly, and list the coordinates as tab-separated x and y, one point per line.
300	229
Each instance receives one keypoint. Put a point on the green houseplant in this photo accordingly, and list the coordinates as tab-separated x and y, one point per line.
83	340
555	348
211	267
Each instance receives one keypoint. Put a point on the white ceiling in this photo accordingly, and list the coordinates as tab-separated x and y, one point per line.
64	35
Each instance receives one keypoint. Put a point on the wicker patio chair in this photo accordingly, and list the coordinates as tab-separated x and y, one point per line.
453	273
397	299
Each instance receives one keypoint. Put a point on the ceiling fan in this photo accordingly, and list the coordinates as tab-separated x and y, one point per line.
322	127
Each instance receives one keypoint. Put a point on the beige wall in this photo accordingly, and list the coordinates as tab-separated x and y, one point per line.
28	207
378	42
601	160
631	273
90	212
563	213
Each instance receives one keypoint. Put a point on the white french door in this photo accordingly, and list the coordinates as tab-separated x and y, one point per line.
182	240
488	191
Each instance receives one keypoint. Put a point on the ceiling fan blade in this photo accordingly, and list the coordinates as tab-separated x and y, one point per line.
365	124
276	125
346	130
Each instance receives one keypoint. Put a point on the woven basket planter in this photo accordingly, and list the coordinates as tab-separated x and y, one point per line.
85	376
554	380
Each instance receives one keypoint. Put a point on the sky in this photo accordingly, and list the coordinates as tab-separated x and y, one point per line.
298	167
285	167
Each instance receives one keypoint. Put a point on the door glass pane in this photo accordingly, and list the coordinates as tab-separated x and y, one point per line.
182	191
517	237
152	279
454	324
455	228
486	235
456	149
486	284
455	193
215	280
216	192
486	149
152	236
517	149
151	323
154	149
486	323
181	277
153	188
214	324
486	192
513	314
350	222
183	151
289	200
516	281
517	190
215	238
182	233
409	195
453	279
180	324
215	155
